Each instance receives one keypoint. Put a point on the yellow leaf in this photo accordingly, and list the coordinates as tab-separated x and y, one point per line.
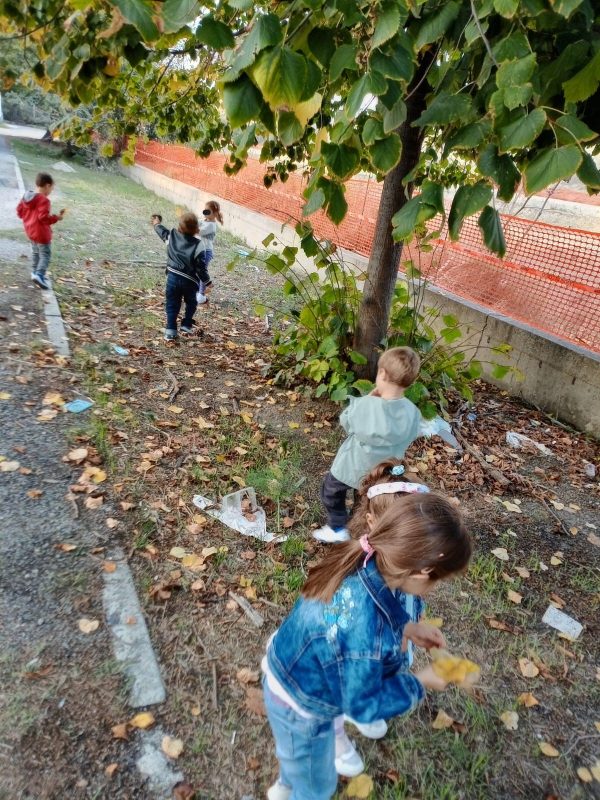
442	721
555	561
304	111
293	425
597	726
5	395
528	668
514	597
175	409
177	552
360	787
53	399
9	466
548	750
527	699
511	507
585	775
142	720
209	551
596	771
202	423
195	711
171	747
248	420
435	622
88	625
452	669
240	481
510	720
192	561
557	505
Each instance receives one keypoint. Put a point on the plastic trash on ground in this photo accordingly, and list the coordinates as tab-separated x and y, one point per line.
77	406
62	166
240	512
562	622
439	427
120	351
519	440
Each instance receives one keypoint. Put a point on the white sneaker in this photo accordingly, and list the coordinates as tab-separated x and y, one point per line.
279	791
348	763
328	535
372	730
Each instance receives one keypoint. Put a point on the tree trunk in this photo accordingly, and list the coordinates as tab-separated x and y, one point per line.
382	272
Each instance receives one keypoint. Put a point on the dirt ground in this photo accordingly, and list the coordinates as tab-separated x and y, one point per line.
202	416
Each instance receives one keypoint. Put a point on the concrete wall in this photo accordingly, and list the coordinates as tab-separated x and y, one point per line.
560	378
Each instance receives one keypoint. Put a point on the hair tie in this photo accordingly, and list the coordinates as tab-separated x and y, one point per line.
397	486
397	470
366	546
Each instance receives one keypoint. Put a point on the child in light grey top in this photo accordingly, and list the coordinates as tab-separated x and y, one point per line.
379	426
208	232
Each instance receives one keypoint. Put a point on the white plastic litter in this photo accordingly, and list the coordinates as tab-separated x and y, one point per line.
562	622
62	166
518	440
590	469
439	427
230	513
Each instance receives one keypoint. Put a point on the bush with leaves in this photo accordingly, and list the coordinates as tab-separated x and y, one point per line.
313	336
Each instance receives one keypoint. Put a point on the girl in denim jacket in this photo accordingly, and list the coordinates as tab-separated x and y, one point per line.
344	648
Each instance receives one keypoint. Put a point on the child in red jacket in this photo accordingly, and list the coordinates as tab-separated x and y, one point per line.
34	210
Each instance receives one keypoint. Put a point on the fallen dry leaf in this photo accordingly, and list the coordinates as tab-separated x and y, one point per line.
198	586
593	539
177	552
142	720
9	466
47	414
584	775
88	625
453	669
523	572
501	553
66	547
109	566
503	626
527	699
127	506
287	522
360	787
442	721
175	409
34	493
514	597
511	507
183	791
78	455
112	523
93	502
528	668
171	747
595	770
111	769
549	750
119	731
246	675
254	701
510	720
5	395
53	399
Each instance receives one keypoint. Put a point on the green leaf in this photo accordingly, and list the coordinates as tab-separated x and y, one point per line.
280	74
140	14
450	335
357	358
314	203
397	64
394	117
268	239
589	174
388	22
569	129
241	5
343	58
469	137
524	131
468	200
337	205
501	169
215	34
584	83
308	108
435	26
450	321
372	131
428	409
363	386
244	140
177	13
242	101
565	7
266	32
506	8
445	108
416	392
341	159
321	42
385	153
432	194
491	227
412	214
360	89
515	73
550	166
499	371
289	127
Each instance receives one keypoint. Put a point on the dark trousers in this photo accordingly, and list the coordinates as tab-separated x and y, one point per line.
180	289
333	497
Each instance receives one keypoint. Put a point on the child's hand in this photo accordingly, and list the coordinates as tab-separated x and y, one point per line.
156	219
207	290
422	635
430	680
62	213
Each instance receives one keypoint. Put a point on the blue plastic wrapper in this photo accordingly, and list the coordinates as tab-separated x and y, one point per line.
77	406
120	351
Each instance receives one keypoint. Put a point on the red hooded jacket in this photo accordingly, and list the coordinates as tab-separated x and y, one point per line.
34	210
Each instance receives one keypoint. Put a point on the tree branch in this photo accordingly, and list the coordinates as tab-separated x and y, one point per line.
33	30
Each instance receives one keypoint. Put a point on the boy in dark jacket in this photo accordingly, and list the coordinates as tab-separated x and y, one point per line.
186	270
34	210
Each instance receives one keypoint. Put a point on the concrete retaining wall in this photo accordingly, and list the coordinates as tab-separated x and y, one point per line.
561	379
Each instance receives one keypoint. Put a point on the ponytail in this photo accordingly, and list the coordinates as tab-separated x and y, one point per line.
216	209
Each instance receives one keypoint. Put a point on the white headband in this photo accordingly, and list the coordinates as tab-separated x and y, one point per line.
396	486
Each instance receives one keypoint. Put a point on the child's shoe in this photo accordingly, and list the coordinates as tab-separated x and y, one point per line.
186	329
347	759
331	535
279	791
170	335
40	281
372	730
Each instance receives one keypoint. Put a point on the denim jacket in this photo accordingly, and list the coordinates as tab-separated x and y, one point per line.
345	657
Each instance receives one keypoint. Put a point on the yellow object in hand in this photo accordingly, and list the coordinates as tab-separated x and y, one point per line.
454	669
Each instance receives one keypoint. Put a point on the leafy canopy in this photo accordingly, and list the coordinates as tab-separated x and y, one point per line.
513	87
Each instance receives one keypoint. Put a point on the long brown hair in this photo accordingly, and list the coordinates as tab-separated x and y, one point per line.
216	209
410	533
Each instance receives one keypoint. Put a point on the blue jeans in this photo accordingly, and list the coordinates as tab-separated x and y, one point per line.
180	289
208	257
305	749
40	257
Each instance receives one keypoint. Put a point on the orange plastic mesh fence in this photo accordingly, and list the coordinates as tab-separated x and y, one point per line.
549	278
